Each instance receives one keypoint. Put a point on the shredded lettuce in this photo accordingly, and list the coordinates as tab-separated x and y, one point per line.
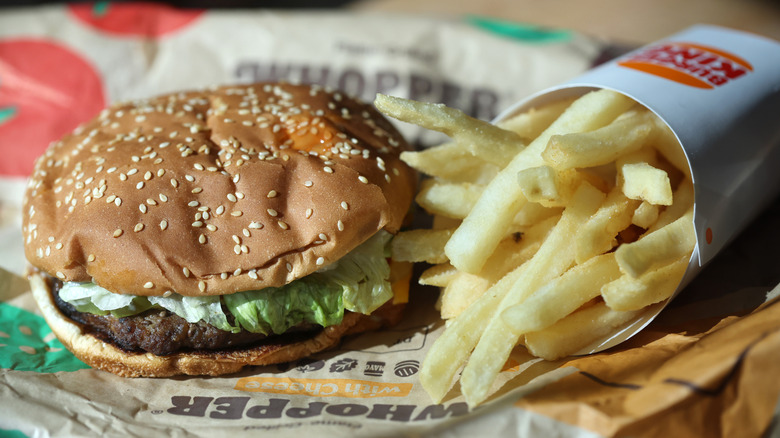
358	282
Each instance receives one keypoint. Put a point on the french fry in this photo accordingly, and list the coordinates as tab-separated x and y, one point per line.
657	248
438	275
420	246
479	234
562	296
601	146
597	235
546	186
453	200
484	140
576	331
465	288
628	293
461	292
451	350
554	257
531	123
644	182
682	201
450	161
645	215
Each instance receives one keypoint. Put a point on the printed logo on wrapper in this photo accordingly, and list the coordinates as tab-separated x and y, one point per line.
324	387
722	108
689	64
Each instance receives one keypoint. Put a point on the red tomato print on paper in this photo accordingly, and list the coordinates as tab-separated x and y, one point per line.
46	91
134	19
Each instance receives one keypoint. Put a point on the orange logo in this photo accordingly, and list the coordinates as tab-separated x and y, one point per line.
323	387
689	64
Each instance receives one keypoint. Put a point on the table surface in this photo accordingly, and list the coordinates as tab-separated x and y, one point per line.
621	21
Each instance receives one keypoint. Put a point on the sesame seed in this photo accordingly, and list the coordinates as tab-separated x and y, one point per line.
289	267
163	198
223	275
237	272
202	286
239	195
198	166
140	185
197	190
197	224
148	175
118	232
167	293
283	225
202	239
151	201
387	177
220	209
193	203
344	205
320	261
186	272
309	212
189	178
272	194
236	213
163	224
58	245
255	225
142	207
60	275
272	212
148	285
236	239
340	225
110	199
118	201
323	236
244	249
231	197
252	274
308	183
174	183
237	249
138	227
363	179
211	227
91	258
246	233
328	169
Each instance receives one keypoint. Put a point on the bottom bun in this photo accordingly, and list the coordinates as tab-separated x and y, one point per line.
105	356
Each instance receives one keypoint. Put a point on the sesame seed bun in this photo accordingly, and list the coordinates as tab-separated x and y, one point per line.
210	193
215	192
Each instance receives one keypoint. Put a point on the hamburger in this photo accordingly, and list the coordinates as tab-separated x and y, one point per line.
202	231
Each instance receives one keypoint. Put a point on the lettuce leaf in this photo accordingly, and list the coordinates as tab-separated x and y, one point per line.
358	282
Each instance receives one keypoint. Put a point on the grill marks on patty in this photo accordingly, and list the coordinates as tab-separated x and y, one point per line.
162	332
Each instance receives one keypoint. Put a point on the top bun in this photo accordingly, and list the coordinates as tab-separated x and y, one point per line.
217	191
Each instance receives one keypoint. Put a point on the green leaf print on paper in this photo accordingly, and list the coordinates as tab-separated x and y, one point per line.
28	344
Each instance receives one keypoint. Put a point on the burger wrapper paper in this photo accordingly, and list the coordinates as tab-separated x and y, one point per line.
702	367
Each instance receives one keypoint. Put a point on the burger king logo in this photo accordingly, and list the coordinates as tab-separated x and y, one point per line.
689	64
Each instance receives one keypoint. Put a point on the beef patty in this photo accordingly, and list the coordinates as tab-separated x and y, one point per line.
162	332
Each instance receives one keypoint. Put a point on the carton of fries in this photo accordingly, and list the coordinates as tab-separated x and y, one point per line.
574	219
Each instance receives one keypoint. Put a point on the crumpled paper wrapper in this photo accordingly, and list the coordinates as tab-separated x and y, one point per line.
703	368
